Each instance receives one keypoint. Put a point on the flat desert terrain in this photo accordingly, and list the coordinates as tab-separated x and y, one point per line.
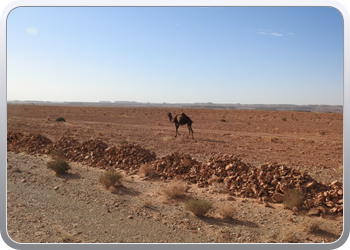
241	161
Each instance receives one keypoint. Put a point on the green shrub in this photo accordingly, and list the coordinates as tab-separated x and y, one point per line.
198	207
111	178
59	166
294	197
60	119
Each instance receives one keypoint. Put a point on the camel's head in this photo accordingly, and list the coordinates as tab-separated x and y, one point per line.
170	116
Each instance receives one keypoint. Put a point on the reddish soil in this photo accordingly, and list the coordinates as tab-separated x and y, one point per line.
311	142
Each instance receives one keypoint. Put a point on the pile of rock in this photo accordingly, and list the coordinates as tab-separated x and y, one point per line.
268	182
89	152
92	152
331	200
30	143
175	165
127	155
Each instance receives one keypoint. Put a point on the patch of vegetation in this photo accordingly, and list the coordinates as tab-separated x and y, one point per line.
124	141
176	189
147	170
284	119
111	178
227	211
288	237
60	119
17	170
294	197
198	207
311	226
147	204
59	166
57	153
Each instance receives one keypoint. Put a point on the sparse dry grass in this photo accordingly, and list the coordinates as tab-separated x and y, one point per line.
60	119
293	198
227	211
176	189
124	141
273	139
198	207
167	138
340	169
57	153
147	203
111	178
311	226
288	236
59	166
146	170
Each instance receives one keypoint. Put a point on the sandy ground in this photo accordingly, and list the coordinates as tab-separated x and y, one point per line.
43	207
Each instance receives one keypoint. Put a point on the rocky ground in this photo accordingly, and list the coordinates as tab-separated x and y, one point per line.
242	159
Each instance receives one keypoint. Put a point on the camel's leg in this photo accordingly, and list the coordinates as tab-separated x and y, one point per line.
177	127
189	131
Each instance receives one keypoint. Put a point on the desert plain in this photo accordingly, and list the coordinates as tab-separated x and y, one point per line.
75	208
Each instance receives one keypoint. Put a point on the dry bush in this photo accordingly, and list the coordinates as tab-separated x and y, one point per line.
146	170
198	207
219	187
124	141
60	119
147	203
311	226
177	188
59	166
340	169
111	178
288	237
227	211
273	139
294	197
57	153
17	170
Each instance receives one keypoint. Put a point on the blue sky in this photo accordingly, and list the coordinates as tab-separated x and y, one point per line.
248	55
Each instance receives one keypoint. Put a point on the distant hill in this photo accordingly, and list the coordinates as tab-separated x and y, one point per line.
208	105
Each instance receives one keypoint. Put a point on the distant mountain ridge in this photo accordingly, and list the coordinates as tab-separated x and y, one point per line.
208	105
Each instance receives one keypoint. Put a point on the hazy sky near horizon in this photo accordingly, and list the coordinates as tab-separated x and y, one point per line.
248	55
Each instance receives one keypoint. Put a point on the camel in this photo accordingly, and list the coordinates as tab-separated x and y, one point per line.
181	119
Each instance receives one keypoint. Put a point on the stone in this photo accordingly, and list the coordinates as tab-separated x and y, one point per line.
277	197
314	211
